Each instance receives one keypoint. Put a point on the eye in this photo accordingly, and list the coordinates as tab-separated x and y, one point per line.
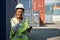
20	12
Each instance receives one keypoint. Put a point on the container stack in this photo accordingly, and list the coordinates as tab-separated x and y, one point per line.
34	11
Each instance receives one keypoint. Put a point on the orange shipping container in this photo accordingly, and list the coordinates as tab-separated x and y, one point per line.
39	5
34	5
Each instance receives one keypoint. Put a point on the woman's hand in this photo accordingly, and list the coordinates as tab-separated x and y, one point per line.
29	29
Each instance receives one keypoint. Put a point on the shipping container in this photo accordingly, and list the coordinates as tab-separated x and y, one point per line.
34	4
35	17
48	18
48	14
28	15
39	6
56	13
56	10
27	4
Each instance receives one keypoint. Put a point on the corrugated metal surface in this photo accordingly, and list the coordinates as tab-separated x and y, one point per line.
28	15
48	18
10	9
34	5
56	11
48	14
56	15
27	4
35	17
39	5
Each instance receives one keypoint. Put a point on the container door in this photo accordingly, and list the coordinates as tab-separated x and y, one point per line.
48	18
27	14
35	18
39	6
48	14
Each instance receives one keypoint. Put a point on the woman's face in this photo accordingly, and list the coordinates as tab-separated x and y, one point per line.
19	13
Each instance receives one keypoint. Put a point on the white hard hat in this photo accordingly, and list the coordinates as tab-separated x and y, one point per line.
20	6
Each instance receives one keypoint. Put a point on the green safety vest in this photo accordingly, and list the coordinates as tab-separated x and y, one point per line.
21	33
